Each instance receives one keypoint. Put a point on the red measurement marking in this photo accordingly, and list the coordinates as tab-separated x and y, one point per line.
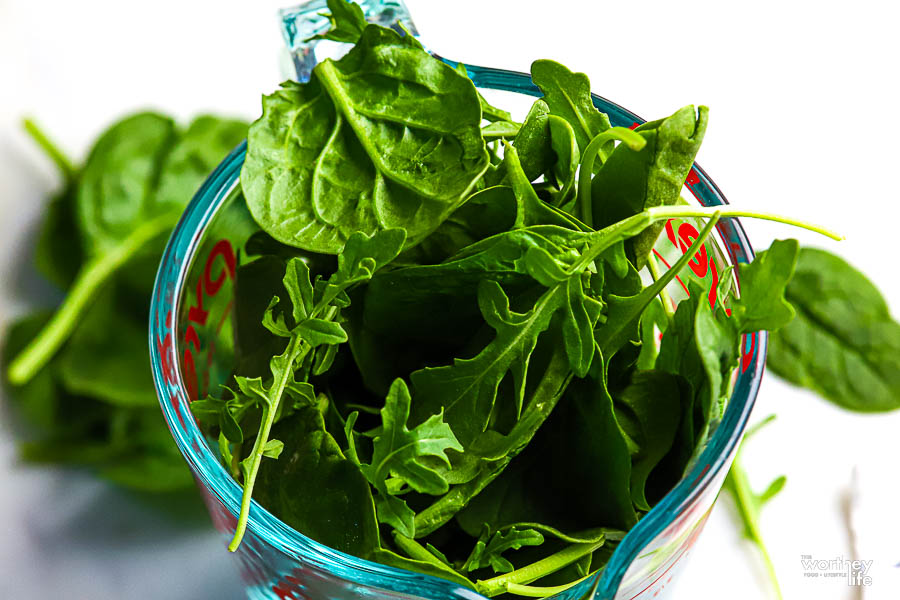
668	266
220	265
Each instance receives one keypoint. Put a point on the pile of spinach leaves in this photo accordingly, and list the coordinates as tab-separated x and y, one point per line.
80	376
462	377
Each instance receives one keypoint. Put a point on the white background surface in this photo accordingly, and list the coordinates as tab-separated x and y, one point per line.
804	121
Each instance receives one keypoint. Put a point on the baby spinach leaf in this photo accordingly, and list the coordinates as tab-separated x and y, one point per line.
843	343
388	136
316	490
122	215
59	255
398	452
87	367
588	417
568	95
762	305
533	141
653	405
631	181
565	147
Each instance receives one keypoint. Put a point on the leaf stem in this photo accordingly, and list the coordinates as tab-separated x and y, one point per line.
58	157
294	352
739	485
92	276
534	571
658	213
663	293
532	591
634	140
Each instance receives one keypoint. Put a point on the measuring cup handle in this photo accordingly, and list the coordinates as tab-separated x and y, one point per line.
307	20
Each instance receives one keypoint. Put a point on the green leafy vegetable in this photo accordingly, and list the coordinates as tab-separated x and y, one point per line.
843	344
385	137
80	378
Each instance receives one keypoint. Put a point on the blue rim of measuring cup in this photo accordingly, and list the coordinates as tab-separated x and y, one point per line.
177	261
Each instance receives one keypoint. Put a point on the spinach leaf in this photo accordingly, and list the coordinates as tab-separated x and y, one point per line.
316	489
86	366
568	95
651	405
386	137
122	214
533	142
843	343
631	181
59	255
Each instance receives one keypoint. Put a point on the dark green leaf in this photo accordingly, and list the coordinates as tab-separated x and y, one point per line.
843	343
316	490
388	136
568	95
631	181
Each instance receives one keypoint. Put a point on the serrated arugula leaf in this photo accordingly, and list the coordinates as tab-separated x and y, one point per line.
568	95
347	22
398	452
314	312
489	549
749	504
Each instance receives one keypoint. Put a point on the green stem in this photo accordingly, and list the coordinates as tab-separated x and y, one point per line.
536	570
58	157
532	591
92	276
294	352
663	294
634	140
659	213
739	485
415	550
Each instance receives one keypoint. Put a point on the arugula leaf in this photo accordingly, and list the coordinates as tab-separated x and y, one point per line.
490	547
347	22
568	95
749	505
311	323
398	452
408	163
843	343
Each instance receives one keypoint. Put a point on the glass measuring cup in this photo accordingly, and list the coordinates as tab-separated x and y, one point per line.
192	353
